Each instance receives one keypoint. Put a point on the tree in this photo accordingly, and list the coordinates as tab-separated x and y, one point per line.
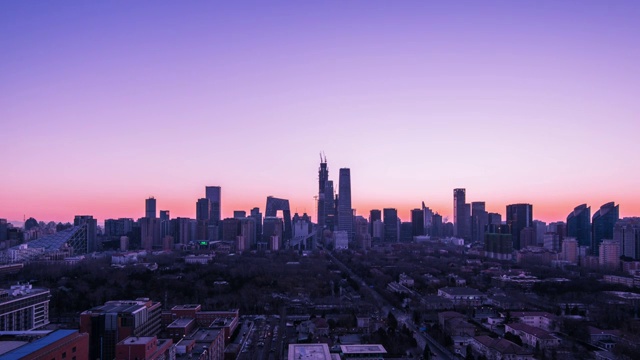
469	352
392	322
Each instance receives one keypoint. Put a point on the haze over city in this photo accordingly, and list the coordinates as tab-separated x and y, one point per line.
106	104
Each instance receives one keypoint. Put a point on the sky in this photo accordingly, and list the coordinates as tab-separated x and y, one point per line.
105	103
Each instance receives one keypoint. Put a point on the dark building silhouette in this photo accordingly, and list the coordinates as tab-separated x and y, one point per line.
91	226
273	206
345	212
579	225
272	226
498	243
203	214
406	232
374	215
118	227
436	225
230	229
461	215
479	221
602	225
417	222
256	215
323	178
391	231
519	216
214	194
165	224
150	208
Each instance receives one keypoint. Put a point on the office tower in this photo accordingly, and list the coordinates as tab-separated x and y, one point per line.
579	225
272	226
165	225
461	215
203	214
609	254
602	225
498	245
519	216
214	194
417	222
436	225
256	215
345	212
551	241
391	229
230	229
329	207
569	250
323	177
301	225
248	232
479	221
378	231
150	233
271	210
627	233
3	229
406	231
559	228
528	237
540	228
114	321
91	226
180	230
239	214
427	219
150	208
374	215
118	227
24	308
494	219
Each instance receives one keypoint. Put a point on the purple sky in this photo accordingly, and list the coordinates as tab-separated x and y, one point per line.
106	103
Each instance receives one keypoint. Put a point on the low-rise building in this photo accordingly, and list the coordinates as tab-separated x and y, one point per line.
309	351
499	349
363	351
23	308
59	344
539	319
145	348
463	296
533	336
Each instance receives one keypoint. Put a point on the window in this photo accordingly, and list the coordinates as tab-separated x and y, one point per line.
73	349
64	355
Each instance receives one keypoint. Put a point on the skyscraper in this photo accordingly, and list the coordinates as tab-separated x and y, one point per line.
602	225
323	177
391	229
203	214
627	233
329	206
417	222
461	215
214	194
150	208
428	219
256	215
579	225
479	220
374	215
519	216
345	212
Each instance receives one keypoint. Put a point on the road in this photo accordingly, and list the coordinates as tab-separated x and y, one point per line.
403	318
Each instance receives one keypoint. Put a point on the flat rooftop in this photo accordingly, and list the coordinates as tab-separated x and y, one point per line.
23	351
181	323
309	352
135	340
363	349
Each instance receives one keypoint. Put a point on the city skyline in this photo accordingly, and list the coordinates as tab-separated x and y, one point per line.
105	105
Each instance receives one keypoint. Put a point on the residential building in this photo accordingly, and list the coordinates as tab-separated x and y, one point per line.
391	228
602	224
150	208
532	336
579	225
24	308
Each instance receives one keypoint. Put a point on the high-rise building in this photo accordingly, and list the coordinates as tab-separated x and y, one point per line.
118	227
540	228
3	229
165	225
609	254
569	251
498	244
461	215
427	219
391	229
150	233
519	216
248	232
479	221
417	222
323	178
181	230
579	225
602	225
436	226
374	215
272	227
256	215
271	210
345	212
114	321
627	233
203	214
238	214
23	308
91	226
230	229
329	206
150	208
214	194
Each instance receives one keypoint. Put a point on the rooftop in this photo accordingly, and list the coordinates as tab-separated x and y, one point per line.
461	291
309	352
138	340
501	345
23	351
537	332
363	349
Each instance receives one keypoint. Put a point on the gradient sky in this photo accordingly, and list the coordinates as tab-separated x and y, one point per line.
105	103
